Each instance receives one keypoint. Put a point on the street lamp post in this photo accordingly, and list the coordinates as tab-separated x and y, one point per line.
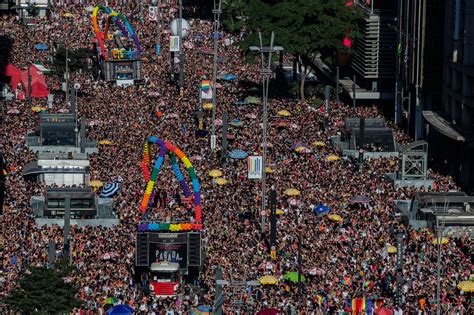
266	73
181	55
217	12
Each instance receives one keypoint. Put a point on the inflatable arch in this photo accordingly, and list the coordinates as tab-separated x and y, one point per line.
120	21
173	152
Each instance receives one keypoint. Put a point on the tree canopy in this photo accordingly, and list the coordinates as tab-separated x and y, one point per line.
303	26
43	290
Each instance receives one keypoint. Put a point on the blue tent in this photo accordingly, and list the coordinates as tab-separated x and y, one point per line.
229	77
322	209
120	310
41	47
110	190
238	154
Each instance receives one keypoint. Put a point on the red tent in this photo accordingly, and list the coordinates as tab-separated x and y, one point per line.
15	75
39	88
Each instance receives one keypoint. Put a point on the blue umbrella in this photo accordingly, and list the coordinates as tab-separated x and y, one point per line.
41	47
120	310
110	190
238	154
229	77
322	209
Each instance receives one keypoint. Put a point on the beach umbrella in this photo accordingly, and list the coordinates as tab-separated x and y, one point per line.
444	241
322	209
236	123
279	212
229	77
269	311
268	280
391	249
41	47
96	183
319	144
284	113
335	217
292	276
294	146
35	109
207	106
67	14
292	192
110	300
316	272
252	100
120	310
110	190
218	122
359	199
298	149
333	158
105	142
383	311
268	170
302	150
215	173
251	116
221	181
238	154
466	286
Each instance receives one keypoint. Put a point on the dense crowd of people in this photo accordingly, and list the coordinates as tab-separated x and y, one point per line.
341	260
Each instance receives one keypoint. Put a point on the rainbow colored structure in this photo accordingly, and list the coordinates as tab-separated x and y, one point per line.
164	148
126	30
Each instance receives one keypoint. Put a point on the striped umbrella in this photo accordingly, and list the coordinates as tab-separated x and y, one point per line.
110	190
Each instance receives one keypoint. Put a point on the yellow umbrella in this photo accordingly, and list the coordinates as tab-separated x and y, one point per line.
105	142
96	183
35	109
284	113
280	212
292	192
335	217
268	170
67	14
268	280
319	144
333	158
299	149
391	249
466	286
207	106
215	173
444	241
221	181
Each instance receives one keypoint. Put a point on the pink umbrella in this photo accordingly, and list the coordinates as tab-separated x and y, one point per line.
13	111
383	311
251	116
218	122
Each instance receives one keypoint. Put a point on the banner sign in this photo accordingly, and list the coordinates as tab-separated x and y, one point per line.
206	90
174	43
153	13
254	167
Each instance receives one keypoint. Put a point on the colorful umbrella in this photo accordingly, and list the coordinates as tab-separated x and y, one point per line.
120	310
252	100
96	183
41	47
268	280
110	300
251	116
35	109
67	14
215	173
284	113
221	181
292	192
444	241
322	209
268	170
391	249
279	212
236	123
229	77
110	190
292	276
383	311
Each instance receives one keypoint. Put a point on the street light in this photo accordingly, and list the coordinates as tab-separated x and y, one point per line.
217	12
266	72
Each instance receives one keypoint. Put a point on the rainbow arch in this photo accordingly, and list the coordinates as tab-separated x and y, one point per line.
120	20
166	147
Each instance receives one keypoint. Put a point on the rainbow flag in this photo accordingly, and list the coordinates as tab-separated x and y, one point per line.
205	85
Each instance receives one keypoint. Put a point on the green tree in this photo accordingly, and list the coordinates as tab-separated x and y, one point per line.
303	27
77	59
44	291
233	14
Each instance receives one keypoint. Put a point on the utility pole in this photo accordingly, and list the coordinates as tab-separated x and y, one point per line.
337	84
266	74
67	77
217	12
67	224
354	91
181	54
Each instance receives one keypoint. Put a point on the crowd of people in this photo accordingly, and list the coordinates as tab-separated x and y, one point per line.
341	260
